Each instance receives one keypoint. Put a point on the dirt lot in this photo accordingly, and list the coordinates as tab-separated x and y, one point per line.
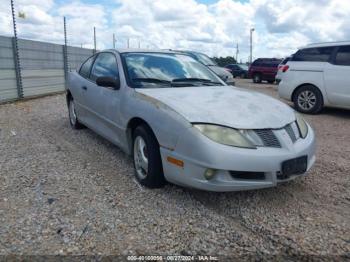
72	192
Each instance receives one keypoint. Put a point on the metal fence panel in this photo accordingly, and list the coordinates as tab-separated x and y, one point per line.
42	67
8	87
76	56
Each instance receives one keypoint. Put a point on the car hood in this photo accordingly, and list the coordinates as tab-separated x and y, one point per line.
224	105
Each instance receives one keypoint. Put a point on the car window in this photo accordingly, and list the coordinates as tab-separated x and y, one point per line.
319	54
160	69
285	61
204	59
343	56
85	68
257	63
105	65
244	67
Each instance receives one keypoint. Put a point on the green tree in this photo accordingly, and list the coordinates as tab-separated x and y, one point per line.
222	61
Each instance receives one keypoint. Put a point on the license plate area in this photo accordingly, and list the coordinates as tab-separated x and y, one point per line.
295	166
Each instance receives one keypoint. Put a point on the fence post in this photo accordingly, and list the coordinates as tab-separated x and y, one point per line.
65	66
65	54
16	54
17	67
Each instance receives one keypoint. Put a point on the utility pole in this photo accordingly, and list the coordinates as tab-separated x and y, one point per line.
114	41
139	44
237	51
251	45
95	40
128	43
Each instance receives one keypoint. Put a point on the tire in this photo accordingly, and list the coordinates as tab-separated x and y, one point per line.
308	99
271	81
257	78
73	118
146	147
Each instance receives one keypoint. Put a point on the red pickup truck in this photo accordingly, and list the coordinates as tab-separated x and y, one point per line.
264	69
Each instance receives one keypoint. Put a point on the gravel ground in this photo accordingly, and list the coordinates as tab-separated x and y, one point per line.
72	192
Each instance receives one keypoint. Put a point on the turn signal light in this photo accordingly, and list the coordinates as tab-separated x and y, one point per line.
175	161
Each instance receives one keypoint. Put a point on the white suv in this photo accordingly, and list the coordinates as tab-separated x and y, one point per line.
317	75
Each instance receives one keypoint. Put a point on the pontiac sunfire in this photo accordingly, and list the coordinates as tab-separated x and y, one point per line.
183	124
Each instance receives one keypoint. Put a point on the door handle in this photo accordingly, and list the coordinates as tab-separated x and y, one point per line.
84	87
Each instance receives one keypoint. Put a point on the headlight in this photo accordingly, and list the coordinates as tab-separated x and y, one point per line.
224	135
303	129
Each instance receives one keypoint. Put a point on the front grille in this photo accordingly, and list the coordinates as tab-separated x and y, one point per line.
268	137
242	175
290	131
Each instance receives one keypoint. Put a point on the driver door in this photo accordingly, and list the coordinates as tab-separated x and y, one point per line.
104	102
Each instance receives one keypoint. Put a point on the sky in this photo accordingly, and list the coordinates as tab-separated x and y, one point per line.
214	27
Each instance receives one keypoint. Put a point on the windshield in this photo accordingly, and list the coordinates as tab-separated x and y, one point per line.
244	67
166	69
204	59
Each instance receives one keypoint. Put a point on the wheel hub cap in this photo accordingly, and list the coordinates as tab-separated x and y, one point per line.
140	157
72	114
306	100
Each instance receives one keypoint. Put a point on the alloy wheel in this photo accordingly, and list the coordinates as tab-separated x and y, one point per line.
307	100
72	114
140	157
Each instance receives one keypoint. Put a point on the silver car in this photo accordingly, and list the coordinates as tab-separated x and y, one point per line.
183	124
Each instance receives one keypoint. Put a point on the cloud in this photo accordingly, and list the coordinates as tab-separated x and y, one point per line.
216	29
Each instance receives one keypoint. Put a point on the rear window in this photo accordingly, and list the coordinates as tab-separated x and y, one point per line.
285	61
319	54
257	63
343	56
267	63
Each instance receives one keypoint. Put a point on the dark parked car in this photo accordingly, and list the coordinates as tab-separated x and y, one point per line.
264	69
238	70
222	72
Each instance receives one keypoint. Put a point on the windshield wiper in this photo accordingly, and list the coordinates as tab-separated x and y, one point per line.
193	79
151	80
177	82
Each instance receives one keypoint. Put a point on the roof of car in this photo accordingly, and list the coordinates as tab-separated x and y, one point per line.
138	50
325	44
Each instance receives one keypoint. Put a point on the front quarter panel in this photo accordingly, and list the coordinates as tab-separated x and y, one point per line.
166	124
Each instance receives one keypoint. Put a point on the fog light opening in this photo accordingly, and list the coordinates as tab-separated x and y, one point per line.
209	173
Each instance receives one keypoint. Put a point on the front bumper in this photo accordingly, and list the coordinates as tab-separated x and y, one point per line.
200	153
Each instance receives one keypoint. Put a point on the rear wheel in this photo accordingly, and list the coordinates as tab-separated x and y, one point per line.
147	160
73	119
308	99
271	81
257	78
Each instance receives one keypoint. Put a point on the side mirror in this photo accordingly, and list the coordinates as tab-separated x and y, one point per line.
107	81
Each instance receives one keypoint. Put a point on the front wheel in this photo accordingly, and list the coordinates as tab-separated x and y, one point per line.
147	160
308	99
73	119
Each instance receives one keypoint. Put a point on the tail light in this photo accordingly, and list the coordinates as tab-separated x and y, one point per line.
285	68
